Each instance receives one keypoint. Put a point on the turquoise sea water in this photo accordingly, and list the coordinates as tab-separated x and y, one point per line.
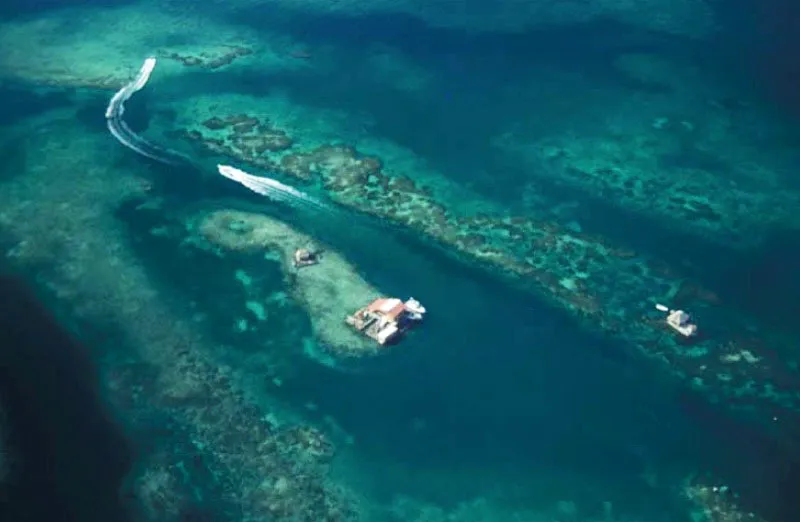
506	404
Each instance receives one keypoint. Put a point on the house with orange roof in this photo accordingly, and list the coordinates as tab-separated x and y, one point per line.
387	318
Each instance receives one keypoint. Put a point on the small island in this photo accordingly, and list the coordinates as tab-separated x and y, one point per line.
328	286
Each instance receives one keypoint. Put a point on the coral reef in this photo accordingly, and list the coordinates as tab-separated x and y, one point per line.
248	139
670	171
86	263
159	490
288	481
328	290
607	286
209	58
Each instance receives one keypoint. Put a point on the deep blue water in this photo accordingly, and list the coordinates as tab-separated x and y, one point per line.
67	456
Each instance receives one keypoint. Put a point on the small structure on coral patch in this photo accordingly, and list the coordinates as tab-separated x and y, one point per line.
679	321
305	257
386	319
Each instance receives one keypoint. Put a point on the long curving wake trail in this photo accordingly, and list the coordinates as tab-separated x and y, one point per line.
120	130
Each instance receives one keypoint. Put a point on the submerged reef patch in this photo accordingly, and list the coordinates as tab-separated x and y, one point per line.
713	501
92	46
670	172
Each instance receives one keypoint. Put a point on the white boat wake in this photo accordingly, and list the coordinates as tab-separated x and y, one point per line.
272	188
120	130
269	187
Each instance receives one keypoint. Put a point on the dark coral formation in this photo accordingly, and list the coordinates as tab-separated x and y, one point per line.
245	138
209	60
684	176
272	480
280	473
608	287
687	200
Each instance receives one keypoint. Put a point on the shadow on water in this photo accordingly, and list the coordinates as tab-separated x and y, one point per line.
20	102
72	457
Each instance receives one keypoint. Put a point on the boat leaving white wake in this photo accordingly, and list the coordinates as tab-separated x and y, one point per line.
116	107
120	130
271	188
